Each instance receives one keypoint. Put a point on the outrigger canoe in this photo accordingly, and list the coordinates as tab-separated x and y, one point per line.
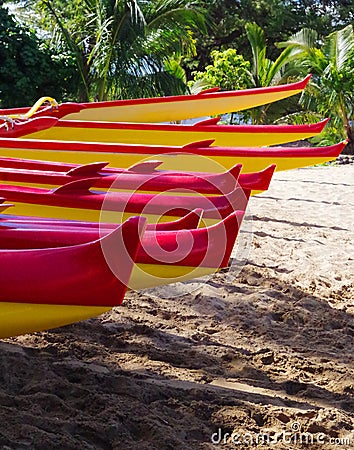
164	256
174	134
51	287
24	173
155	181
165	109
198	156
75	201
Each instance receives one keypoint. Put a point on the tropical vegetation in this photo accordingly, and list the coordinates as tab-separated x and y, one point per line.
121	48
331	63
104	49
29	68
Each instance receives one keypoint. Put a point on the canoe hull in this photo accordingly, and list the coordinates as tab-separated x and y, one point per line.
93	273
25	173
156	134
23	318
26	127
48	287
178	110
89	215
166	109
182	161
172	108
163	257
75	201
145	276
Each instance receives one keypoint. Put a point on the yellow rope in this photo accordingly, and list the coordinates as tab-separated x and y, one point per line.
35	108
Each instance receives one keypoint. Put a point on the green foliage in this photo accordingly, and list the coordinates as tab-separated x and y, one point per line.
122	48
28	69
137	48
278	18
229	71
331	92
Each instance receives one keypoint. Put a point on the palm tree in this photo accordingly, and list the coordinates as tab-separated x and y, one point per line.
331	93
231	71
123	48
265	72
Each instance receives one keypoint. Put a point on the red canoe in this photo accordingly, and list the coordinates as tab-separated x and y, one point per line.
26	172
51	128
163	258
187	222
207	247
178	134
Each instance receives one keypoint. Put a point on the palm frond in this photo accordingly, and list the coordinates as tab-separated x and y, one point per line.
256	38
160	12
199	85
339	46
304	39
299	118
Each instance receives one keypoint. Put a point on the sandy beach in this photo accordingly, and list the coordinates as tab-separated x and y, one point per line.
264	351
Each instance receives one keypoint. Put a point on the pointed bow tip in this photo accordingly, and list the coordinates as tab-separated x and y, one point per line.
306	80
231	225
139	222
145	166
235	170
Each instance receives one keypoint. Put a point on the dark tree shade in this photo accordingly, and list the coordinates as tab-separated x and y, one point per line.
278	18
27	69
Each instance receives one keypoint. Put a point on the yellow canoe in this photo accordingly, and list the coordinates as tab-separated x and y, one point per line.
170	134
165	109
197	156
